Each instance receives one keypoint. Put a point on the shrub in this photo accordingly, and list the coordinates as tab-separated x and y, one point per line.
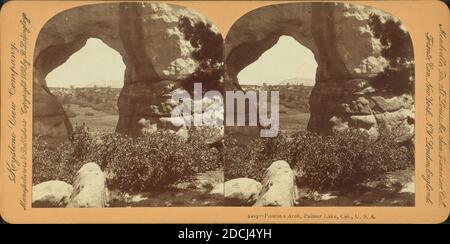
205	156
63	162
131	164
46	163
398	76
330	161
152	161
138	163
337	161
240	161
208	53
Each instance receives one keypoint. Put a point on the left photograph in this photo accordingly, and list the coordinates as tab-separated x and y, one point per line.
104	81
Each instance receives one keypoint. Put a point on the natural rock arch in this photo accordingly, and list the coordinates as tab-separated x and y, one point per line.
161	53
157	49
347	53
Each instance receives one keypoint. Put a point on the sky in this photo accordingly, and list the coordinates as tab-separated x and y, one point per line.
285	60
95	62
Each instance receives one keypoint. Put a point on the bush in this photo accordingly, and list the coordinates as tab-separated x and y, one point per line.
336	161
205	156
396	44
47	164
153	161
241	161
208	54
63	162
131	164
141	163
345	159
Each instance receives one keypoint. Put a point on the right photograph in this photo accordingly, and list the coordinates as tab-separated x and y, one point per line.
328	91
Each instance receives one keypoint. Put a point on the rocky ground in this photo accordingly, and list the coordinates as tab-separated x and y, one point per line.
195	191
206	189
278	188
394	189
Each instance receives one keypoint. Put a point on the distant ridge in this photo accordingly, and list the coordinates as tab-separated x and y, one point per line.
103	83
106	83
297	81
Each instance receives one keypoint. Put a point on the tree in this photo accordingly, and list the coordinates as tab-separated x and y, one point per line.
398	76
208	53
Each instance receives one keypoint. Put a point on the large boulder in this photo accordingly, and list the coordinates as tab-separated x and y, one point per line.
89	188
374	113
279	188
51	194
239	191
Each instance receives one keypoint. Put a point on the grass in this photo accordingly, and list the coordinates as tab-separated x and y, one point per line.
97	121
292	119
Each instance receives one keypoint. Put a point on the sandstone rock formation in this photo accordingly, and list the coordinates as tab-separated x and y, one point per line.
49	118
89	188
162	45
279	188
166	47
51	194
243	191
375	112
347	53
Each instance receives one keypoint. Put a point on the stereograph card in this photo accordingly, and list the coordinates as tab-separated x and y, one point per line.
224	112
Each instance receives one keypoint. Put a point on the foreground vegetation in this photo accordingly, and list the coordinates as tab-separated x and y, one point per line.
337	161
130	164
150	162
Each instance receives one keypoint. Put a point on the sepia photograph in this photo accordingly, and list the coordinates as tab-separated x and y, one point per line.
344	74
151	105
104	76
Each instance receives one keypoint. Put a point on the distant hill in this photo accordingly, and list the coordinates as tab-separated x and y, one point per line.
106	83
298	81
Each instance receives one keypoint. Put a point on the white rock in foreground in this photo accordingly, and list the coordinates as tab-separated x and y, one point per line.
279	187
89	188
52	194
244	190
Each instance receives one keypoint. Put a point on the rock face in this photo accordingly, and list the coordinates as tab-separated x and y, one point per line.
166	47
49	118
159	44
376	111
346	51
89	188
51	194
241	190
279	187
